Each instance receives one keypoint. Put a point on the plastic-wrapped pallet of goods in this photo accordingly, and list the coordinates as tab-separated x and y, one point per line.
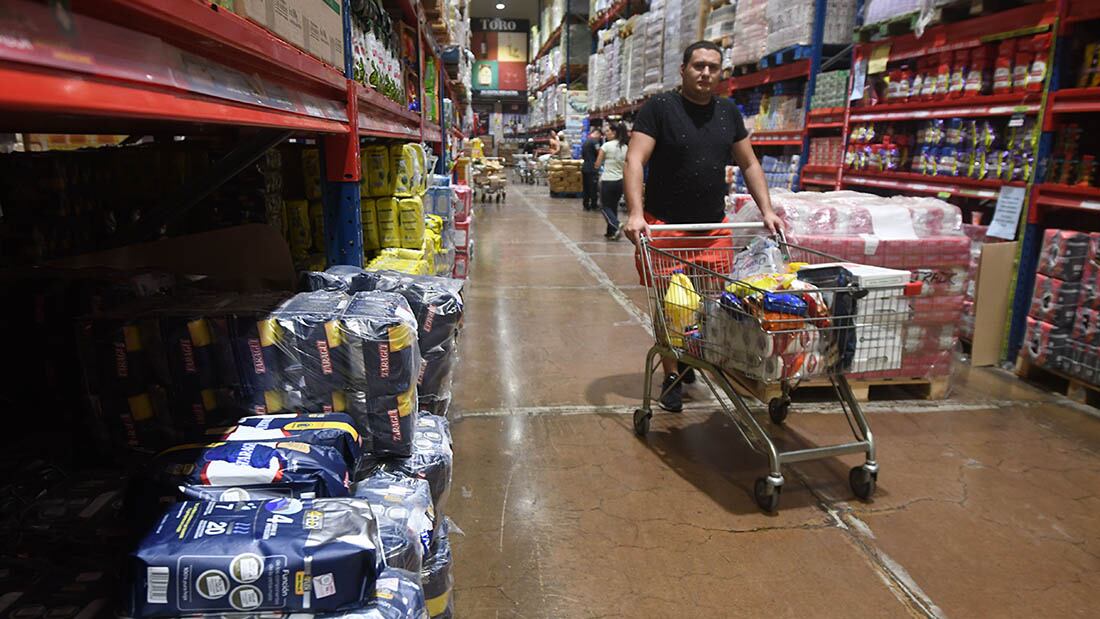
882	10
653	48
750	32
921	235
595	72
720	23
670	73
634	66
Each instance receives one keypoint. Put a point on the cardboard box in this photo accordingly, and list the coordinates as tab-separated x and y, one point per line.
314	26
995	269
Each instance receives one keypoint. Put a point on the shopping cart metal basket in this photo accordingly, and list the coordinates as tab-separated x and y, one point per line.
750	336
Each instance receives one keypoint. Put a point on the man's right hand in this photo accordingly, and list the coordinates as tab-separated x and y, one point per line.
635	227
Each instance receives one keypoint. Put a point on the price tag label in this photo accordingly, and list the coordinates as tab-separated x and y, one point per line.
1017	120
943	195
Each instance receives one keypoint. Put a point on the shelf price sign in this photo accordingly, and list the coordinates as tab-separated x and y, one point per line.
1006	215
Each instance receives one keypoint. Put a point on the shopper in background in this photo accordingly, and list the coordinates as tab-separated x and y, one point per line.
554	144
612	157
688	138
590	169
529	146
565	149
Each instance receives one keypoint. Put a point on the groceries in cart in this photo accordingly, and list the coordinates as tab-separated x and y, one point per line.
781	319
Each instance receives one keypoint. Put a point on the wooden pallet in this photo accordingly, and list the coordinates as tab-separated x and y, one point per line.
920	388
1058	381
786	55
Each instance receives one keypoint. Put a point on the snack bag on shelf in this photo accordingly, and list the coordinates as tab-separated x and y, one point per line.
403	159
300	237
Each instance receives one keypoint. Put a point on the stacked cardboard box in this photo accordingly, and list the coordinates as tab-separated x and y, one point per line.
565	176
315	26
750	32
653	48
1062	332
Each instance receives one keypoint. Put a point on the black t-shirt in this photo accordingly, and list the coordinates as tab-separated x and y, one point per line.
588	154
687	171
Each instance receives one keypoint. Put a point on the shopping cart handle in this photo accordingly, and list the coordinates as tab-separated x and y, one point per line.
748	225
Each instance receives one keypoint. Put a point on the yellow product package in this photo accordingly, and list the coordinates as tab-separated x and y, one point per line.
402	165
298	234
317	225
399	253
377	171
389	230
411	219
368	214
311	171
434	223
681	306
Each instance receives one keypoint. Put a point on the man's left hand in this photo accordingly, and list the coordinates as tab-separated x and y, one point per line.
773	223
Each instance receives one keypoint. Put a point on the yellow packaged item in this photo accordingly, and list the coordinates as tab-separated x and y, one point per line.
317	225
402	165
681	306
298	234
311	171
795	267
753	284
435	223
389	230
377	171
403	254
411	220
368	216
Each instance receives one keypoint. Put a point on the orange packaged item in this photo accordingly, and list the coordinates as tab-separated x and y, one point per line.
1002	70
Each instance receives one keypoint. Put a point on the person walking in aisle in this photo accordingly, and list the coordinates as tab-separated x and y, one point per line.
612	157
688	138
590	170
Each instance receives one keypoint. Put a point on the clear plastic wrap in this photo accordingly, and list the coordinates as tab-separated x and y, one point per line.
435	301
357	354
1054	300
1063	254
437	575
406	516
397	595
432	459
220	557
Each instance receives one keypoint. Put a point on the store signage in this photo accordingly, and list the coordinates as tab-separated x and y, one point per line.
496	24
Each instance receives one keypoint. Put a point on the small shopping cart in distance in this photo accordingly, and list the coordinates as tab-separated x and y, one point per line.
798	314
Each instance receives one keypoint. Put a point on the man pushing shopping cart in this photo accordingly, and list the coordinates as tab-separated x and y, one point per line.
750	311
688	138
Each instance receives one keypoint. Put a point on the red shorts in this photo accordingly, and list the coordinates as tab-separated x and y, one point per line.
711	250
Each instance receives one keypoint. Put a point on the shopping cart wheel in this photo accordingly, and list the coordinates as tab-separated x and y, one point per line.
862	482
641	421
778	409
766	495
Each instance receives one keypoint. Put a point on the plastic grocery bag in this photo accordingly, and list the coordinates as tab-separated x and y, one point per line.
681	306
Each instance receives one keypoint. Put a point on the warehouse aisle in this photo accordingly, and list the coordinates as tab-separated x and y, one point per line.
986	504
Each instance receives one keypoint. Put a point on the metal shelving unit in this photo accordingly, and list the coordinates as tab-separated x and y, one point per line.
170	66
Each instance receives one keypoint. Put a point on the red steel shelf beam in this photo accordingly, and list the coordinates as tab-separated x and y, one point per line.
971	32
989	105
64	93
777	138
1074	100
1082	10
919	183
550	42
1052	195
432	132
618	110
204	29
820	169
818	180
781	73
608	16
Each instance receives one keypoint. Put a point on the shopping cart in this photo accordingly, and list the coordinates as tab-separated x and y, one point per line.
730	332
525	169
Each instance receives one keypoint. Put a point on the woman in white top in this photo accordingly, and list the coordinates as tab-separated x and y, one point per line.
612	156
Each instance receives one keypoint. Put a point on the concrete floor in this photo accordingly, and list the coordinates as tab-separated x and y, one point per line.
987	503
